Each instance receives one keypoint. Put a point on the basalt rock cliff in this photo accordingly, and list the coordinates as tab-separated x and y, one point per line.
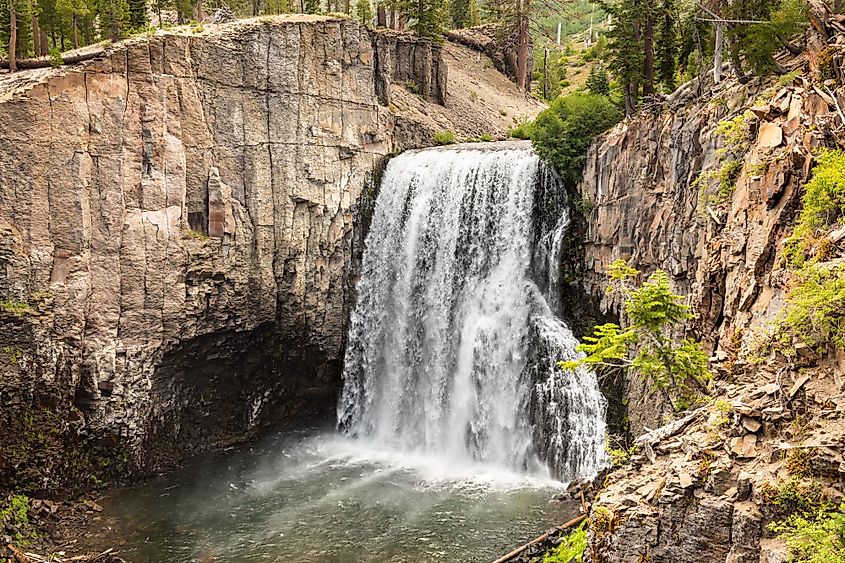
179	218
705	486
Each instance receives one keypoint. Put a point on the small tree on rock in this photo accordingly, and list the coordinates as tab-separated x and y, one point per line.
649	345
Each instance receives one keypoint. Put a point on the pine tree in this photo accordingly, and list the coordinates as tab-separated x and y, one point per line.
114	18
427	18
597	80
626	59
137	14
667	45
459	10
16	30
364	12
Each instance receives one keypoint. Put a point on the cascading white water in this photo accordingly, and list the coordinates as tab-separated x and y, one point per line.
452	346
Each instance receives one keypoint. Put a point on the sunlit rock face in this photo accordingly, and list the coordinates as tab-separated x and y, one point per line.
179	214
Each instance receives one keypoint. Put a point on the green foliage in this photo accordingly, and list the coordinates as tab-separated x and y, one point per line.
759	42
464	13
619	456
815	310
14	515
14	307
816	539
56	58
790	497
521	130
562	133
444	138
648	345
823	206
736	132
196	235
364	12
597	81
571	549
721	413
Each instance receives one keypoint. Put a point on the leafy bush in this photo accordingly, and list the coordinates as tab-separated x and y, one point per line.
14	515
823	206
648	345
817	539
522	130
815	310
572	547
444	138
562	133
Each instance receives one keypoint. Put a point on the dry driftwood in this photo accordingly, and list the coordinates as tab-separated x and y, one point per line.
667	430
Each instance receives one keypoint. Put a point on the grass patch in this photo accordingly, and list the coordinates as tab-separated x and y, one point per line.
196	235
444	138
14	307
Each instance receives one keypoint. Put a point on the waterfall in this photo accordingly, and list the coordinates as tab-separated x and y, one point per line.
452	343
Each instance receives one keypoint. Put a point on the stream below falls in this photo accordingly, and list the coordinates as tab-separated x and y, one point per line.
321	497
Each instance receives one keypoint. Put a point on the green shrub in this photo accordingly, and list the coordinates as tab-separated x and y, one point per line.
815	309
572	547
444	138
562	133
14	515
14	307
522	130
648	346
56	57
816	539
823	206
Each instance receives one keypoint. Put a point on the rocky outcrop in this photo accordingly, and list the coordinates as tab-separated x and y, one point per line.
177	219
664	194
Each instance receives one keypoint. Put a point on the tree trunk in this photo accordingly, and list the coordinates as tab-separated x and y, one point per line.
648	50
347	7
44	45
545	73
199	12
381	16
256	7
75	33
36	46
522	81
717	53
13	37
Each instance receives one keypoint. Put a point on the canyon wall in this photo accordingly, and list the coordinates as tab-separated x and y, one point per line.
178	218
662	193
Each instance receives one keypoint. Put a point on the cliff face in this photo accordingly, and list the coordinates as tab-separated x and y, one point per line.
704	490
177	220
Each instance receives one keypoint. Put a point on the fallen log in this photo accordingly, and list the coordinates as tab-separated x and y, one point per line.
667	430
42	62
18	555
571	524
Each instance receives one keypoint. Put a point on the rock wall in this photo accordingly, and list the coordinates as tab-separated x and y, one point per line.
705	489
655	203
177	224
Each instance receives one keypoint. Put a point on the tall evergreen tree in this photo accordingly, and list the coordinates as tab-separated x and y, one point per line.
113	17
667	44
459	10
137	14
364	12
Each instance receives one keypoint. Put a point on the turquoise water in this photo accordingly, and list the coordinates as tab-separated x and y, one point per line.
319	497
